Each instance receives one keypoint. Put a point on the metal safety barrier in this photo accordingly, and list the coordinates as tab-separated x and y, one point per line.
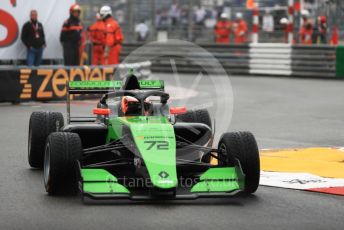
255	59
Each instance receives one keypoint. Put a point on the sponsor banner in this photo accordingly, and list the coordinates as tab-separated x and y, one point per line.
43	84
310	169
14	14
49	83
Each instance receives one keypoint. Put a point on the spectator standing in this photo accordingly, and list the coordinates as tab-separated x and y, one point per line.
306	31
114	36
71	37
174	14
286	29
142	31
223	30
320	30
165	23
120	16
97	34
184	22
268	22
34	39
158	20
200	15
240	29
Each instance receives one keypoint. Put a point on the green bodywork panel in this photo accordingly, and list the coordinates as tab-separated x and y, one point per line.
115	129
101	181
219	174
215	186
144	84
104	187
97	175
219	180
155	141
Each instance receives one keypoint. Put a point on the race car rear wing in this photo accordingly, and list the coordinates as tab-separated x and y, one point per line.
103	87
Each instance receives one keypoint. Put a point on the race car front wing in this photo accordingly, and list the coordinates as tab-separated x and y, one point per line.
215	182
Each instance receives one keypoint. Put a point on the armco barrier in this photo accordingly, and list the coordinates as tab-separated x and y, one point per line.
49	83
258	59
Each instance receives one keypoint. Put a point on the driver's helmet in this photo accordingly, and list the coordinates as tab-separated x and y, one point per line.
131	106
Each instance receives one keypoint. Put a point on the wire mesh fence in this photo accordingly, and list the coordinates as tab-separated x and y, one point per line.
194	20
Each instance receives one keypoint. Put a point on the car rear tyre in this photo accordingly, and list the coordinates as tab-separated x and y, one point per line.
195	116
198	116
40	126
62	151
243	146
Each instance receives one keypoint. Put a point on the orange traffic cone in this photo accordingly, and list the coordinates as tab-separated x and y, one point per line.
335	36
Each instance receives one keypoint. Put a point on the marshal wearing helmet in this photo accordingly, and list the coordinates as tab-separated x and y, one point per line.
114	37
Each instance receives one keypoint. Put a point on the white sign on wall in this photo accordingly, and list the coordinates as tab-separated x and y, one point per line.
14	14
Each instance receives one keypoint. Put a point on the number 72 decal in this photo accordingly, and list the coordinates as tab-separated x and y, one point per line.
160	145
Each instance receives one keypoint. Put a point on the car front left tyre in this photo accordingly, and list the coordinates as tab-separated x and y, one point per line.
40	126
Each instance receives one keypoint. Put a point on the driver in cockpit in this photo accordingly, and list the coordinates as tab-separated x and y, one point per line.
131	106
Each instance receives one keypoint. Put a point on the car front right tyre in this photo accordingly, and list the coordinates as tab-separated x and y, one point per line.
62	151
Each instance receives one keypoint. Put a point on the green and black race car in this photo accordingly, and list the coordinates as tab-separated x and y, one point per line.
136	147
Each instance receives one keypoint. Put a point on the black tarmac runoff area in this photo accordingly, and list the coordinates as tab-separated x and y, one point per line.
281	112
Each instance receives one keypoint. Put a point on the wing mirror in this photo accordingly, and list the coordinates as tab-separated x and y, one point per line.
178	110
101	111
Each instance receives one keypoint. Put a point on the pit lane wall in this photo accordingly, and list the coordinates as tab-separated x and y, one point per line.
266	59
21	84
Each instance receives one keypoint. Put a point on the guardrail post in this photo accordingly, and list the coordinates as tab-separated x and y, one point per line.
255	27
291	21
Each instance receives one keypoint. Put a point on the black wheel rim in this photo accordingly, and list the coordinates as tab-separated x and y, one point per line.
223	149
46	167
223	154
29	144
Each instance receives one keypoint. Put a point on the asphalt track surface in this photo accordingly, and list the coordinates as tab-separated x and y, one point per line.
281	112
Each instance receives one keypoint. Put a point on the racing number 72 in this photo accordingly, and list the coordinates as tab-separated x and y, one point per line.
160	145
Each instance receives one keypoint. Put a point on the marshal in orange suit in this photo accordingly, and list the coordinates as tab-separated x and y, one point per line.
97	34
223	30
114	37
240	29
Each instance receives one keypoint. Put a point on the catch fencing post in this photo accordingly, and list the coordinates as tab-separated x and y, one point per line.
255	27
291	21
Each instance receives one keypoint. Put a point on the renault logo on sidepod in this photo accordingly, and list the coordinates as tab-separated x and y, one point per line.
163	174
